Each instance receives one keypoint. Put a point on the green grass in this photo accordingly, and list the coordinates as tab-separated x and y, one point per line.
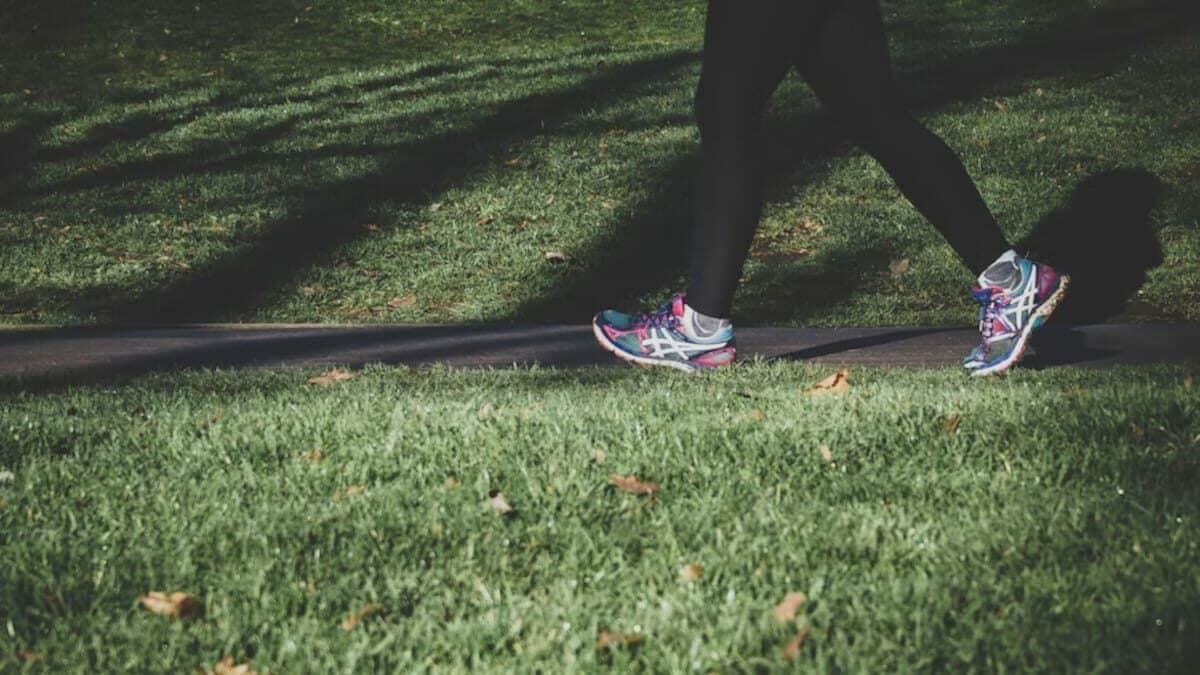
1020	542
221	163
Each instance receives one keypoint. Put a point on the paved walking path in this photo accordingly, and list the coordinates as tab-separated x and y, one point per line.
88	354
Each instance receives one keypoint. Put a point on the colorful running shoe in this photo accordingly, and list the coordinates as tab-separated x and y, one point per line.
657	339
1016	296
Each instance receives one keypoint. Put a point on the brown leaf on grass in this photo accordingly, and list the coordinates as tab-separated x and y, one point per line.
950	423
756	415
226	666
632	484
1187	382
606	639
327	378
514	161
350	492
356	617
786	609
371	227
608	205
452	482
313	456
485	220
499	504
177	605
809	224
837	383
557	256
898	267
29	656
826	454
690	572
1000	105
402	301
27	92
792	649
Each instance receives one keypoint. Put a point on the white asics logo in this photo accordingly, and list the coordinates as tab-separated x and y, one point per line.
660	343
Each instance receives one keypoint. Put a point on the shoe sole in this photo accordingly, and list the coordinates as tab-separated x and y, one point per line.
646	362
1043	312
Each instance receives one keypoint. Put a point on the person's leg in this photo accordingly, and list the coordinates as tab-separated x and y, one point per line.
746	54
848	68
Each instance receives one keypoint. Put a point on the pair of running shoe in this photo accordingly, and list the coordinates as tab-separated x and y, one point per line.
1009	313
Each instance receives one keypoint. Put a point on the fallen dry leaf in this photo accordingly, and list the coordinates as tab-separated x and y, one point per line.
1187	382
436	206
690	572
792	649
177	605
557	256
499	504
837	383
756	415
485	220
950	423
606	638
371	227
226	666
786	609
29	656
807	224
898	267
632	484
451	482
402	301
608	205
515	161
1000	105
328	378
354	618
826	454
313	456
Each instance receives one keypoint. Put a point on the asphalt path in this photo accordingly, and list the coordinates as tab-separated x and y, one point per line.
89	354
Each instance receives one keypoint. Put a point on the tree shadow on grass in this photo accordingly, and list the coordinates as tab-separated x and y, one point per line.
331	217
645	253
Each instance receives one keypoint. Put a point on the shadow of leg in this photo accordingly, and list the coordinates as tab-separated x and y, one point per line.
1104	239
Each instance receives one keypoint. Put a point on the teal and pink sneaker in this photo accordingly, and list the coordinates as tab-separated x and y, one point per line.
657	339
1016	296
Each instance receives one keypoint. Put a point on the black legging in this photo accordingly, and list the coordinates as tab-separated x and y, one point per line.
839	48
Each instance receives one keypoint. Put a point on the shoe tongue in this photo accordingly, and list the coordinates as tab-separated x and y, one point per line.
677	306
984	293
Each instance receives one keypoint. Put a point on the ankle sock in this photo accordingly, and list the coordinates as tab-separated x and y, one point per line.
1004	273
700	326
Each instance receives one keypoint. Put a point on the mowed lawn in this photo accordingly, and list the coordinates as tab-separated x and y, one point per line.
388	161
1045	521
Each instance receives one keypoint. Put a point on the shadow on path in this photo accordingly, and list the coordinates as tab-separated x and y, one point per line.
49	359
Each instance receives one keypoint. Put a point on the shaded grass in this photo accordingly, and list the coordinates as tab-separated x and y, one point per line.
478	138
1018	542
